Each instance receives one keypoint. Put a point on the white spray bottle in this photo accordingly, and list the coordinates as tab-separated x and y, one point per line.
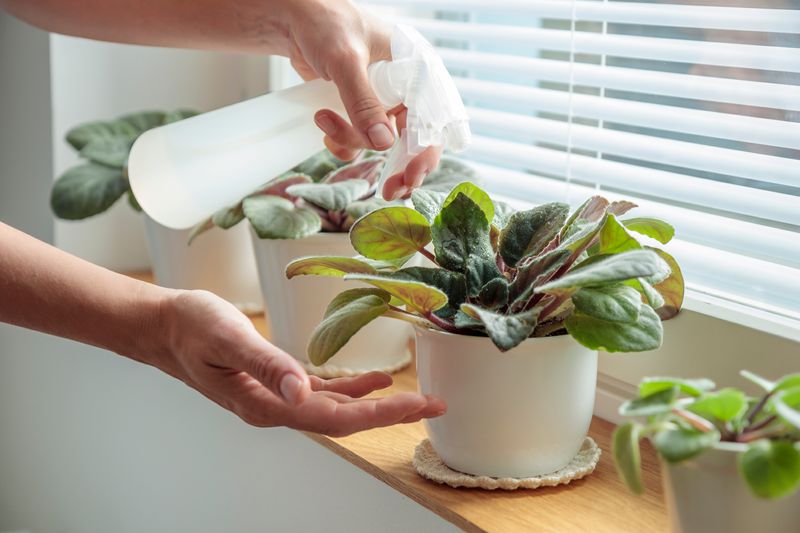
183	172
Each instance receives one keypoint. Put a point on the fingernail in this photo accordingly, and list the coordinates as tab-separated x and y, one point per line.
380	136
326	124
290	388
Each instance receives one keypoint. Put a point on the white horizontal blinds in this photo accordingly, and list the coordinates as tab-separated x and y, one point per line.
692	110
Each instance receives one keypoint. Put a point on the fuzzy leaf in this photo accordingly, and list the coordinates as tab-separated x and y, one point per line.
359	208
627	458
273	217
84	134
528	232
333	196
179	114
679	444
450	283
616	303
228	217
614	238
724	405
421	297
671	289
465	321
110	151
539	268
461	231
644	334
656	403
480	271
592	210
506	331
502	213
318	166
331	266
771	468
144	120
345	316
692	387
279	185
494	294
428	203
390	233
475	194
365	169
87	190
651	227
651	295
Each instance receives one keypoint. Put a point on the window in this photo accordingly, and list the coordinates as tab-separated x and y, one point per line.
691	110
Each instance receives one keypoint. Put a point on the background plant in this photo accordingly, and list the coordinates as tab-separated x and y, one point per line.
684	418
503	273
92	187
321	194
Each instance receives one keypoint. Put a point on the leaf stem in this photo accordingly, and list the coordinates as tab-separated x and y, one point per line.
765	433
429	255
695	421
761	425
758	407
441	323
399	314
551	326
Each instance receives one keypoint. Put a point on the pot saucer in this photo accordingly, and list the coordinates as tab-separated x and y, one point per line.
429	465
328	371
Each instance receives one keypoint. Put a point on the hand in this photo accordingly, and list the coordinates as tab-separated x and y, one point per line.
334	40
215	349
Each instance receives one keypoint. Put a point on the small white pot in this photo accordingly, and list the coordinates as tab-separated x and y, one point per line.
707	494
516	414
220	261
295	307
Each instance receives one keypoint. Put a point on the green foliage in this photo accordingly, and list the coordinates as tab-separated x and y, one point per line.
390	233
92	187
273	217
685	417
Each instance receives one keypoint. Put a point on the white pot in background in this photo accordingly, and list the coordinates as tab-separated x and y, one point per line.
516	414
295	307
220	261
706	494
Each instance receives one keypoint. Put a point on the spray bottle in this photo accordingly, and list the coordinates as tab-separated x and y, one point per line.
183	172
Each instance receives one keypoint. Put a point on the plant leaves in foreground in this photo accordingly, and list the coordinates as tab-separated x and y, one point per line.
390	233
273	217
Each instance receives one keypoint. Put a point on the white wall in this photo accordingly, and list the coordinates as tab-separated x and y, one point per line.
93	80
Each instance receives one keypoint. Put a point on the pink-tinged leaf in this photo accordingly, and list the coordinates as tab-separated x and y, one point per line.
620	207
671	289
366	169
278	186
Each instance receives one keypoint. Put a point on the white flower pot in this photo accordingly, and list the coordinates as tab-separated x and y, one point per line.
295	307
707	494
220	261
516	414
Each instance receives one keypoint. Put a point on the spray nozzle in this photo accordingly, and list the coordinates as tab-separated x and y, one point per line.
417	77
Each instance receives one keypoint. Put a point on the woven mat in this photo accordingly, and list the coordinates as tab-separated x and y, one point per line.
429	465
328	371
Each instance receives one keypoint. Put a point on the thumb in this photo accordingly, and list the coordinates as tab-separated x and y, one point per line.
279	372
363	107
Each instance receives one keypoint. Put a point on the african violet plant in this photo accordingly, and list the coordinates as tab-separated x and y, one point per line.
685	417
91	188
321	194
504	274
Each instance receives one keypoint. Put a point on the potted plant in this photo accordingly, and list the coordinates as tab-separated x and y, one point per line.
547	288
310	210
731	462
222	264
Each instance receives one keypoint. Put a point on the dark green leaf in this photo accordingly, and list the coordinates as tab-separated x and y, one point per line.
528	232
133	202
331	266
494	294
273	217
771	468
390	233
144	120
346	315
331	196
179	114
460	231
616	302
651	227
502	213
506	331
82	135
533	272
627	458
480	271
474	193
679	444
87	190
644	334
450	283
656	403
110	151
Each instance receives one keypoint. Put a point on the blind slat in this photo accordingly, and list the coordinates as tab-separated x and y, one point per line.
676	50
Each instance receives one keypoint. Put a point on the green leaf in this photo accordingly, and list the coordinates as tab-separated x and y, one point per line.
592	210
614	238
725	405
764	383
611	269
331	196
318	166
460	231
679	444
506	331
279	185
179	114
644	334
494	294
365	169
428	203
651	227
452	284
474	193
617	302
771	468
419	296
359	208
651	295
345	316
199	229
390	233
528	232
273	217
656	403
692	387
480	271
84	134
87	190
228	217
531	273
110	151
786	404
465	321
331	266
627	458
133	202
502	214
144	120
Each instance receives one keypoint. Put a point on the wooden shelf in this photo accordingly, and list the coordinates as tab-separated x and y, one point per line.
599	502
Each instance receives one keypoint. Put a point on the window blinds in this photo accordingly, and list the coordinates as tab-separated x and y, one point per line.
691	110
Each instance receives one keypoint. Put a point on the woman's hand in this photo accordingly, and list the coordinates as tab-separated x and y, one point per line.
215	349
336	41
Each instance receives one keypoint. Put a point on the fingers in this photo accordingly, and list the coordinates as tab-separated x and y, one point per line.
341	139
276	370
400	185
363	107
355	387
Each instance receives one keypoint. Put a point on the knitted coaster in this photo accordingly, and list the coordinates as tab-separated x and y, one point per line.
429	465
328	371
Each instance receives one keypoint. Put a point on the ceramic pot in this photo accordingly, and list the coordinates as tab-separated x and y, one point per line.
295	307
220	261
516	414
707	494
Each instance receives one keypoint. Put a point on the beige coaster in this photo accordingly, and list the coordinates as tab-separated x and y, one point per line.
328	371
428	464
